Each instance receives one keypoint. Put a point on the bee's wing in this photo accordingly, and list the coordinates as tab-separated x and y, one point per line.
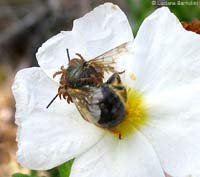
79	98
107	60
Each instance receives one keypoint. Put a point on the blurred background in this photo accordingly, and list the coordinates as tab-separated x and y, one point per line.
26	24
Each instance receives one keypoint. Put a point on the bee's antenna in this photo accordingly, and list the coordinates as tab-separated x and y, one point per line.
51	101
68	56
121	72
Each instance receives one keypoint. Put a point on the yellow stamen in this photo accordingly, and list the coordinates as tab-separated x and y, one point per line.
136	114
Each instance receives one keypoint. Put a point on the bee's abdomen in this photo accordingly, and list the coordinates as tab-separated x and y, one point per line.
107	107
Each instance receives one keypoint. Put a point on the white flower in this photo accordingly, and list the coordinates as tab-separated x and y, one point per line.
166	63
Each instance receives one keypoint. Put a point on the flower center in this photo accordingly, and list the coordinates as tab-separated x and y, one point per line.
136	115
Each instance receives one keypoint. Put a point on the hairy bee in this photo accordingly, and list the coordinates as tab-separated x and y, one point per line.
80	72
104	105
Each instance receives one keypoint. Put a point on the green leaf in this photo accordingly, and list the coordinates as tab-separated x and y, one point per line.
23	175
20	175
65	169
33	173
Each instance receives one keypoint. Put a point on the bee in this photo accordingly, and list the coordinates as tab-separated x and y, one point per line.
81	73
104	105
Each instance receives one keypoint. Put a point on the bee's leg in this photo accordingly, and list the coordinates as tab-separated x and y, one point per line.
121	72
62	82
85	79
98	79
114	79
109	69
62	68
116	132
120	136
80	56
67	97
61	91
57	73
62	71
100	74
92	78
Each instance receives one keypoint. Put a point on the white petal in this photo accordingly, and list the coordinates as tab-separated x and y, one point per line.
165	54
166	63
174	129
130	157
47	137
104	28
185	176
